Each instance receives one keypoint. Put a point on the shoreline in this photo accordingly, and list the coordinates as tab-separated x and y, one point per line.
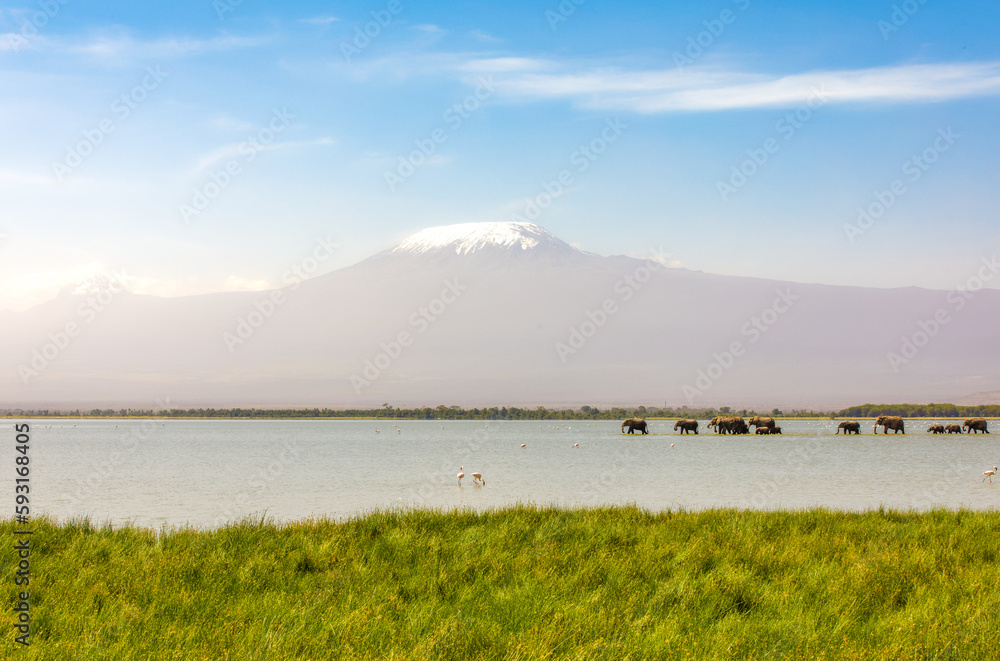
438	420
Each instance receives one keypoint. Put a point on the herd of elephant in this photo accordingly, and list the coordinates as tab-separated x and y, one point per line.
764	425
895	423
720	424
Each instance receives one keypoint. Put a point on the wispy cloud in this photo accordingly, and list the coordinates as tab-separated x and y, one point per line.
319	20
241	149
506	64
12	41
125	46
484	36
227	123
708	89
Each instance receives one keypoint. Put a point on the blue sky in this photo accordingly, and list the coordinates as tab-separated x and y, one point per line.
117	116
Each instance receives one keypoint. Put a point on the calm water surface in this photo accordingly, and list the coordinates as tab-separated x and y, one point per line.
205	473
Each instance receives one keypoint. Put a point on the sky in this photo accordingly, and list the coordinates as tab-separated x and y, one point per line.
196	147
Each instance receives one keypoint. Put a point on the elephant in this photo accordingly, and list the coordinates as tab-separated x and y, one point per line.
763	431
633	424
937	429
774	430
724	425
759	422
888	422
686	425
729	425
849	426
953	429
733	425
975	425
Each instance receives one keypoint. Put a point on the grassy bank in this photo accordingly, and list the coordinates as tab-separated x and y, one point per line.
520	583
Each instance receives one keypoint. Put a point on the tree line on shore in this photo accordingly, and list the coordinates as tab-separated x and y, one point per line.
443	412
921	411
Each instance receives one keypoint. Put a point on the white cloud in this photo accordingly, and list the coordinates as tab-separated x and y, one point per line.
700	89
227	123
24	290
506	64
483	36
225	151
319	20
124	46
13	41
240	149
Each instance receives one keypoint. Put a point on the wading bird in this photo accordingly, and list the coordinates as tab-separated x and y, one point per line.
460	474
576	445
478	477
524	445
990	474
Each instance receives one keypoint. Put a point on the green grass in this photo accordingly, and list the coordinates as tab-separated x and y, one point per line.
521	583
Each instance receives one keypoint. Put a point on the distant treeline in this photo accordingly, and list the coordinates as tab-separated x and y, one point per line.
921	411
426	413
443	412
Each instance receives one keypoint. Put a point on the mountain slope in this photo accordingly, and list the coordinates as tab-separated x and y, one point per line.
505	312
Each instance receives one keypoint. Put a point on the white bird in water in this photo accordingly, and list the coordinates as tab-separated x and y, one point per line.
461	474
524	445
990	474
478	477
671	445
576	445
376	431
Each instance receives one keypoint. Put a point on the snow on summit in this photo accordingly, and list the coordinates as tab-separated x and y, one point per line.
467	238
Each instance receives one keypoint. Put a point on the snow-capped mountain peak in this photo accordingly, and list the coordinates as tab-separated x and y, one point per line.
469	238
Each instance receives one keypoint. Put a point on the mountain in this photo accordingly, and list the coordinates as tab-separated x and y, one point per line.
482	314
485	242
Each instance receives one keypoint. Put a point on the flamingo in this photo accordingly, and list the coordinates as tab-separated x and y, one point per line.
524	445
990	474
479	477
671	445
460	474
576	445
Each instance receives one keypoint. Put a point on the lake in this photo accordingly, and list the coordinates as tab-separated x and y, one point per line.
208	472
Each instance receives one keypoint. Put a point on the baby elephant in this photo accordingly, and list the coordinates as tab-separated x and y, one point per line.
953	429
763	431
936	429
